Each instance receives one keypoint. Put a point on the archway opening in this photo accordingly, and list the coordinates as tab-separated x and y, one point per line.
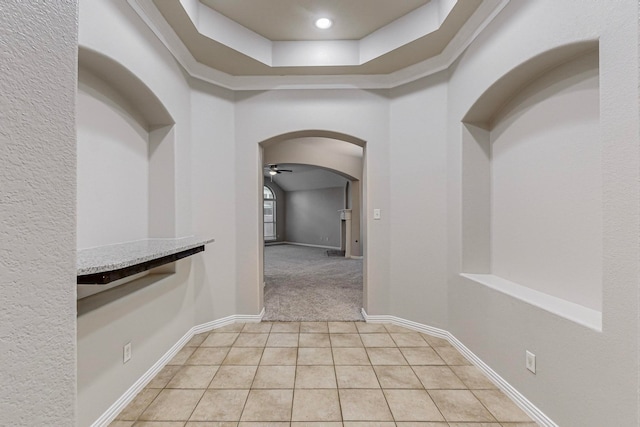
313	264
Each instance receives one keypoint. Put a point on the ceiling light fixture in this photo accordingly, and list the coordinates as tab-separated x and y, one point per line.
324	23
272	172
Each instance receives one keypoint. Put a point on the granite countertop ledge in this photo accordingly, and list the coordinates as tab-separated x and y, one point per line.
122	255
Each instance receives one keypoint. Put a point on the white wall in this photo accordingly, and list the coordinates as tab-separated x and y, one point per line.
113	168
546	171
37	213
263	115
418	196
152	315
313	217
213	196
584	377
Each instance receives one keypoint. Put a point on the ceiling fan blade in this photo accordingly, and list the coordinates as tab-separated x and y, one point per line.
284	170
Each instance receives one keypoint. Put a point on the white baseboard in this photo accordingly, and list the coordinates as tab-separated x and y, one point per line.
522	402
356	257
311	246
110	414
249	318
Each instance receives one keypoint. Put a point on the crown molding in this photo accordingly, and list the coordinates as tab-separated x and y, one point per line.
482	17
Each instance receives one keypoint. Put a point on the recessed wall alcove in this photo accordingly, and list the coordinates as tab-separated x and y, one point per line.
125	163
532	185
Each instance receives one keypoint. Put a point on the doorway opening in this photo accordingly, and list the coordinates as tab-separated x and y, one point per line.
312	229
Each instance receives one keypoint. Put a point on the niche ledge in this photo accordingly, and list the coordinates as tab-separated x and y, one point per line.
104	264
571	311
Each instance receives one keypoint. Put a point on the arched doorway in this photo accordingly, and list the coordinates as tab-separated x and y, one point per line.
325	289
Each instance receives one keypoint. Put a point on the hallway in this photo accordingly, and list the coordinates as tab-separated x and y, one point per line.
493	146
320	374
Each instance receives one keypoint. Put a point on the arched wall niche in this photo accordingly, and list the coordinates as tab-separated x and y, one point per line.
126	156
532	184
138	95
488	105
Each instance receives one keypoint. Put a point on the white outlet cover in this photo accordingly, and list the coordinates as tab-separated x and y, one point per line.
376	214
531	361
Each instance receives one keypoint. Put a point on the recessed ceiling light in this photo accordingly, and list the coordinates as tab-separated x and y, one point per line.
324	23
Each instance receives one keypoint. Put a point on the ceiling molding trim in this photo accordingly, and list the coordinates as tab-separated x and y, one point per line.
412	26
419	23
216	26
316	53
482	17
152	17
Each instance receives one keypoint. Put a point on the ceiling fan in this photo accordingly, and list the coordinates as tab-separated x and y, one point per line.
274	170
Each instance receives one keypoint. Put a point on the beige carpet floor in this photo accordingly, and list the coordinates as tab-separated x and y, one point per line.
304	284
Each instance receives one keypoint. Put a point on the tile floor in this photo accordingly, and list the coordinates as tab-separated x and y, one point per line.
320	374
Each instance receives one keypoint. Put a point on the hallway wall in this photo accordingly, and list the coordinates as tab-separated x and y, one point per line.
37	213
213	197
417	286
263	115
153	317
585	377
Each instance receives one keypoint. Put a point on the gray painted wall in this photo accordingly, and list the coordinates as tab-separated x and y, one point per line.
312	216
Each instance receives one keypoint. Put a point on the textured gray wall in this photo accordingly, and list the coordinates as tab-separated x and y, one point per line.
37	213
312	216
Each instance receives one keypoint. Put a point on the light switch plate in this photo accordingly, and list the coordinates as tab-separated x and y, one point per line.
376	214
531	362
126	353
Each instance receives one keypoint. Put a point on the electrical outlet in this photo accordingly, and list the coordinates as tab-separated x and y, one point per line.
531	362
126	353
376	214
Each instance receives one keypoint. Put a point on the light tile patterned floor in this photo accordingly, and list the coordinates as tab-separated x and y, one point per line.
320	374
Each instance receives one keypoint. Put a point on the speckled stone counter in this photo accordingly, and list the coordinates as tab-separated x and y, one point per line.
123	255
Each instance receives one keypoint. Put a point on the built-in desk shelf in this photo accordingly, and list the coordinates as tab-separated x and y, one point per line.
105	264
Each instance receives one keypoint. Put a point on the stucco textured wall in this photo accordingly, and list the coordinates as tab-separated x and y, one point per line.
38	41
